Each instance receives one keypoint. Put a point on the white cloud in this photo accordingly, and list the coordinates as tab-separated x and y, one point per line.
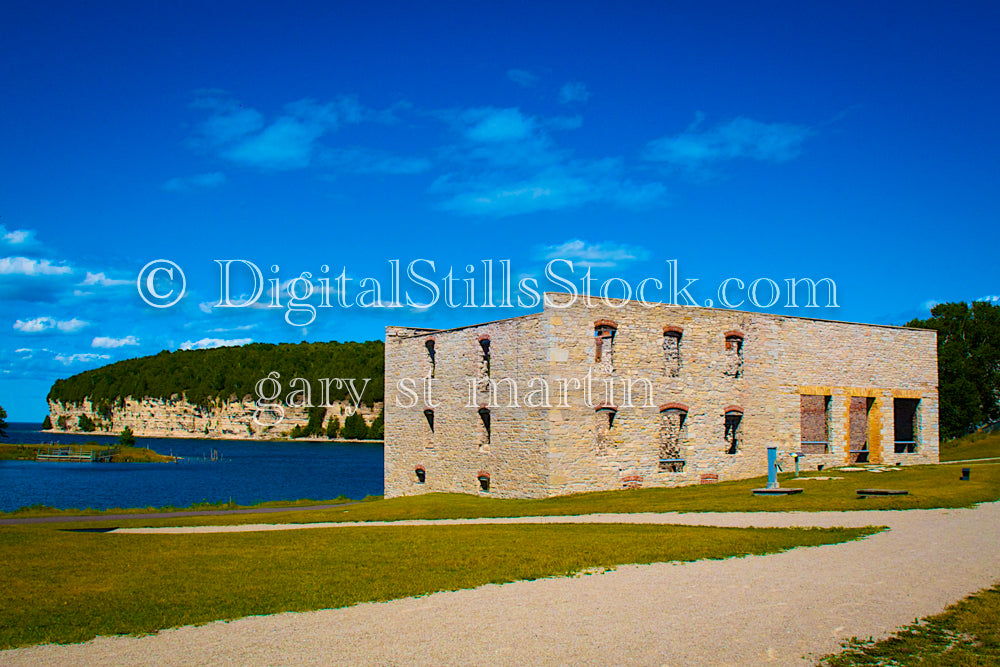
40	324
739	138
17	236
522	77
103	280
574	91
364	161
508	165
497	125
570	184
31	267
106	342
290	141
74	358
994	299
243	327
182	183
594	254
206	343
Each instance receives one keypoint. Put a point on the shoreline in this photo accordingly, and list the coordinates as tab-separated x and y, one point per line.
200	436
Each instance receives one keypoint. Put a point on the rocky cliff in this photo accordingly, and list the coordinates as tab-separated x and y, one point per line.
176	418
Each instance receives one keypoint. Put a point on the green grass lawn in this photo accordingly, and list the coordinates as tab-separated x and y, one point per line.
928	486
62	586
967	633
973	446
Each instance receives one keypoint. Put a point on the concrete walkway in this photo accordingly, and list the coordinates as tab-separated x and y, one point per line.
782	609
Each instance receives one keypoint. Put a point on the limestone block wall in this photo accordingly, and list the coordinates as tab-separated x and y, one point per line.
649	396
458	448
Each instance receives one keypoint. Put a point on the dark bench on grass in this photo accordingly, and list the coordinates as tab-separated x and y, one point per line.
864	493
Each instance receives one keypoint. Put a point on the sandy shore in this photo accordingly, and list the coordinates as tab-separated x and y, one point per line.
783	609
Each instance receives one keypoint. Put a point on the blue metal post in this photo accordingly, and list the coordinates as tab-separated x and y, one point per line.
772	467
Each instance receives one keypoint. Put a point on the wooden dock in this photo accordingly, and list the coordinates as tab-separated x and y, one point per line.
78	455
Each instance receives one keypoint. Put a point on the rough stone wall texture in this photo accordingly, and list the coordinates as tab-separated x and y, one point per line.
756	364
454	453
157	418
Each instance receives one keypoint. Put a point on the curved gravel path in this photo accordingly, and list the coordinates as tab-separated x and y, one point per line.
779	609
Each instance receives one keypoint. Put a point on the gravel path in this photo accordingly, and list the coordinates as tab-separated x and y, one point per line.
780	609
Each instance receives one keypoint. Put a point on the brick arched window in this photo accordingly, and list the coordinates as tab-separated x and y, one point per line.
733	432
485	431
604	342
672	420
431	356
734	353
604	421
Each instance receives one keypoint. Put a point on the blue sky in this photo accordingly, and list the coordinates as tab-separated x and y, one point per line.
850	141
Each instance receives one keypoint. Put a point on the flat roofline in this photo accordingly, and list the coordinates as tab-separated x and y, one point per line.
671	305
471	326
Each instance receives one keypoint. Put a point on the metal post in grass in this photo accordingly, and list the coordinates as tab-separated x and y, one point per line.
772	467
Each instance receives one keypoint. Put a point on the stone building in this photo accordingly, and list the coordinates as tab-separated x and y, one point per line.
595	397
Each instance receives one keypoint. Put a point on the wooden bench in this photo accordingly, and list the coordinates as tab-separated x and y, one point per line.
864	493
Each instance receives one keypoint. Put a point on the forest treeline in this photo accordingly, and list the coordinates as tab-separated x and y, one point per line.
207	377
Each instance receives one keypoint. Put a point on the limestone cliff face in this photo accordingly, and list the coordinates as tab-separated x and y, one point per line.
176	418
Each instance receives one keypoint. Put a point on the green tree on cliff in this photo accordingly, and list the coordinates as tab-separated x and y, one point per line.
3	423
47	424
377	430
354	427
315	425
127	438
968	364
332	427
86	424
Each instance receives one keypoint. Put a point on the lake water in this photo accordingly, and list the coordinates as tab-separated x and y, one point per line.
247	472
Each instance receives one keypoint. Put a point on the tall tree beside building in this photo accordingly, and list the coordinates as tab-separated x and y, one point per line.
968	364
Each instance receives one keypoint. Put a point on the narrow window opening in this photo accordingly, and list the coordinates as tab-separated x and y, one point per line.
431	358
814	422
905	411
604	421
484	481
483	370
604	344
733	433
485	430
672	350
429	415
672	432
421	474
734	354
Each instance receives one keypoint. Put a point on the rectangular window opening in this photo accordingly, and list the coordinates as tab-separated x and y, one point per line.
672	353
905	411
858	425
815	424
